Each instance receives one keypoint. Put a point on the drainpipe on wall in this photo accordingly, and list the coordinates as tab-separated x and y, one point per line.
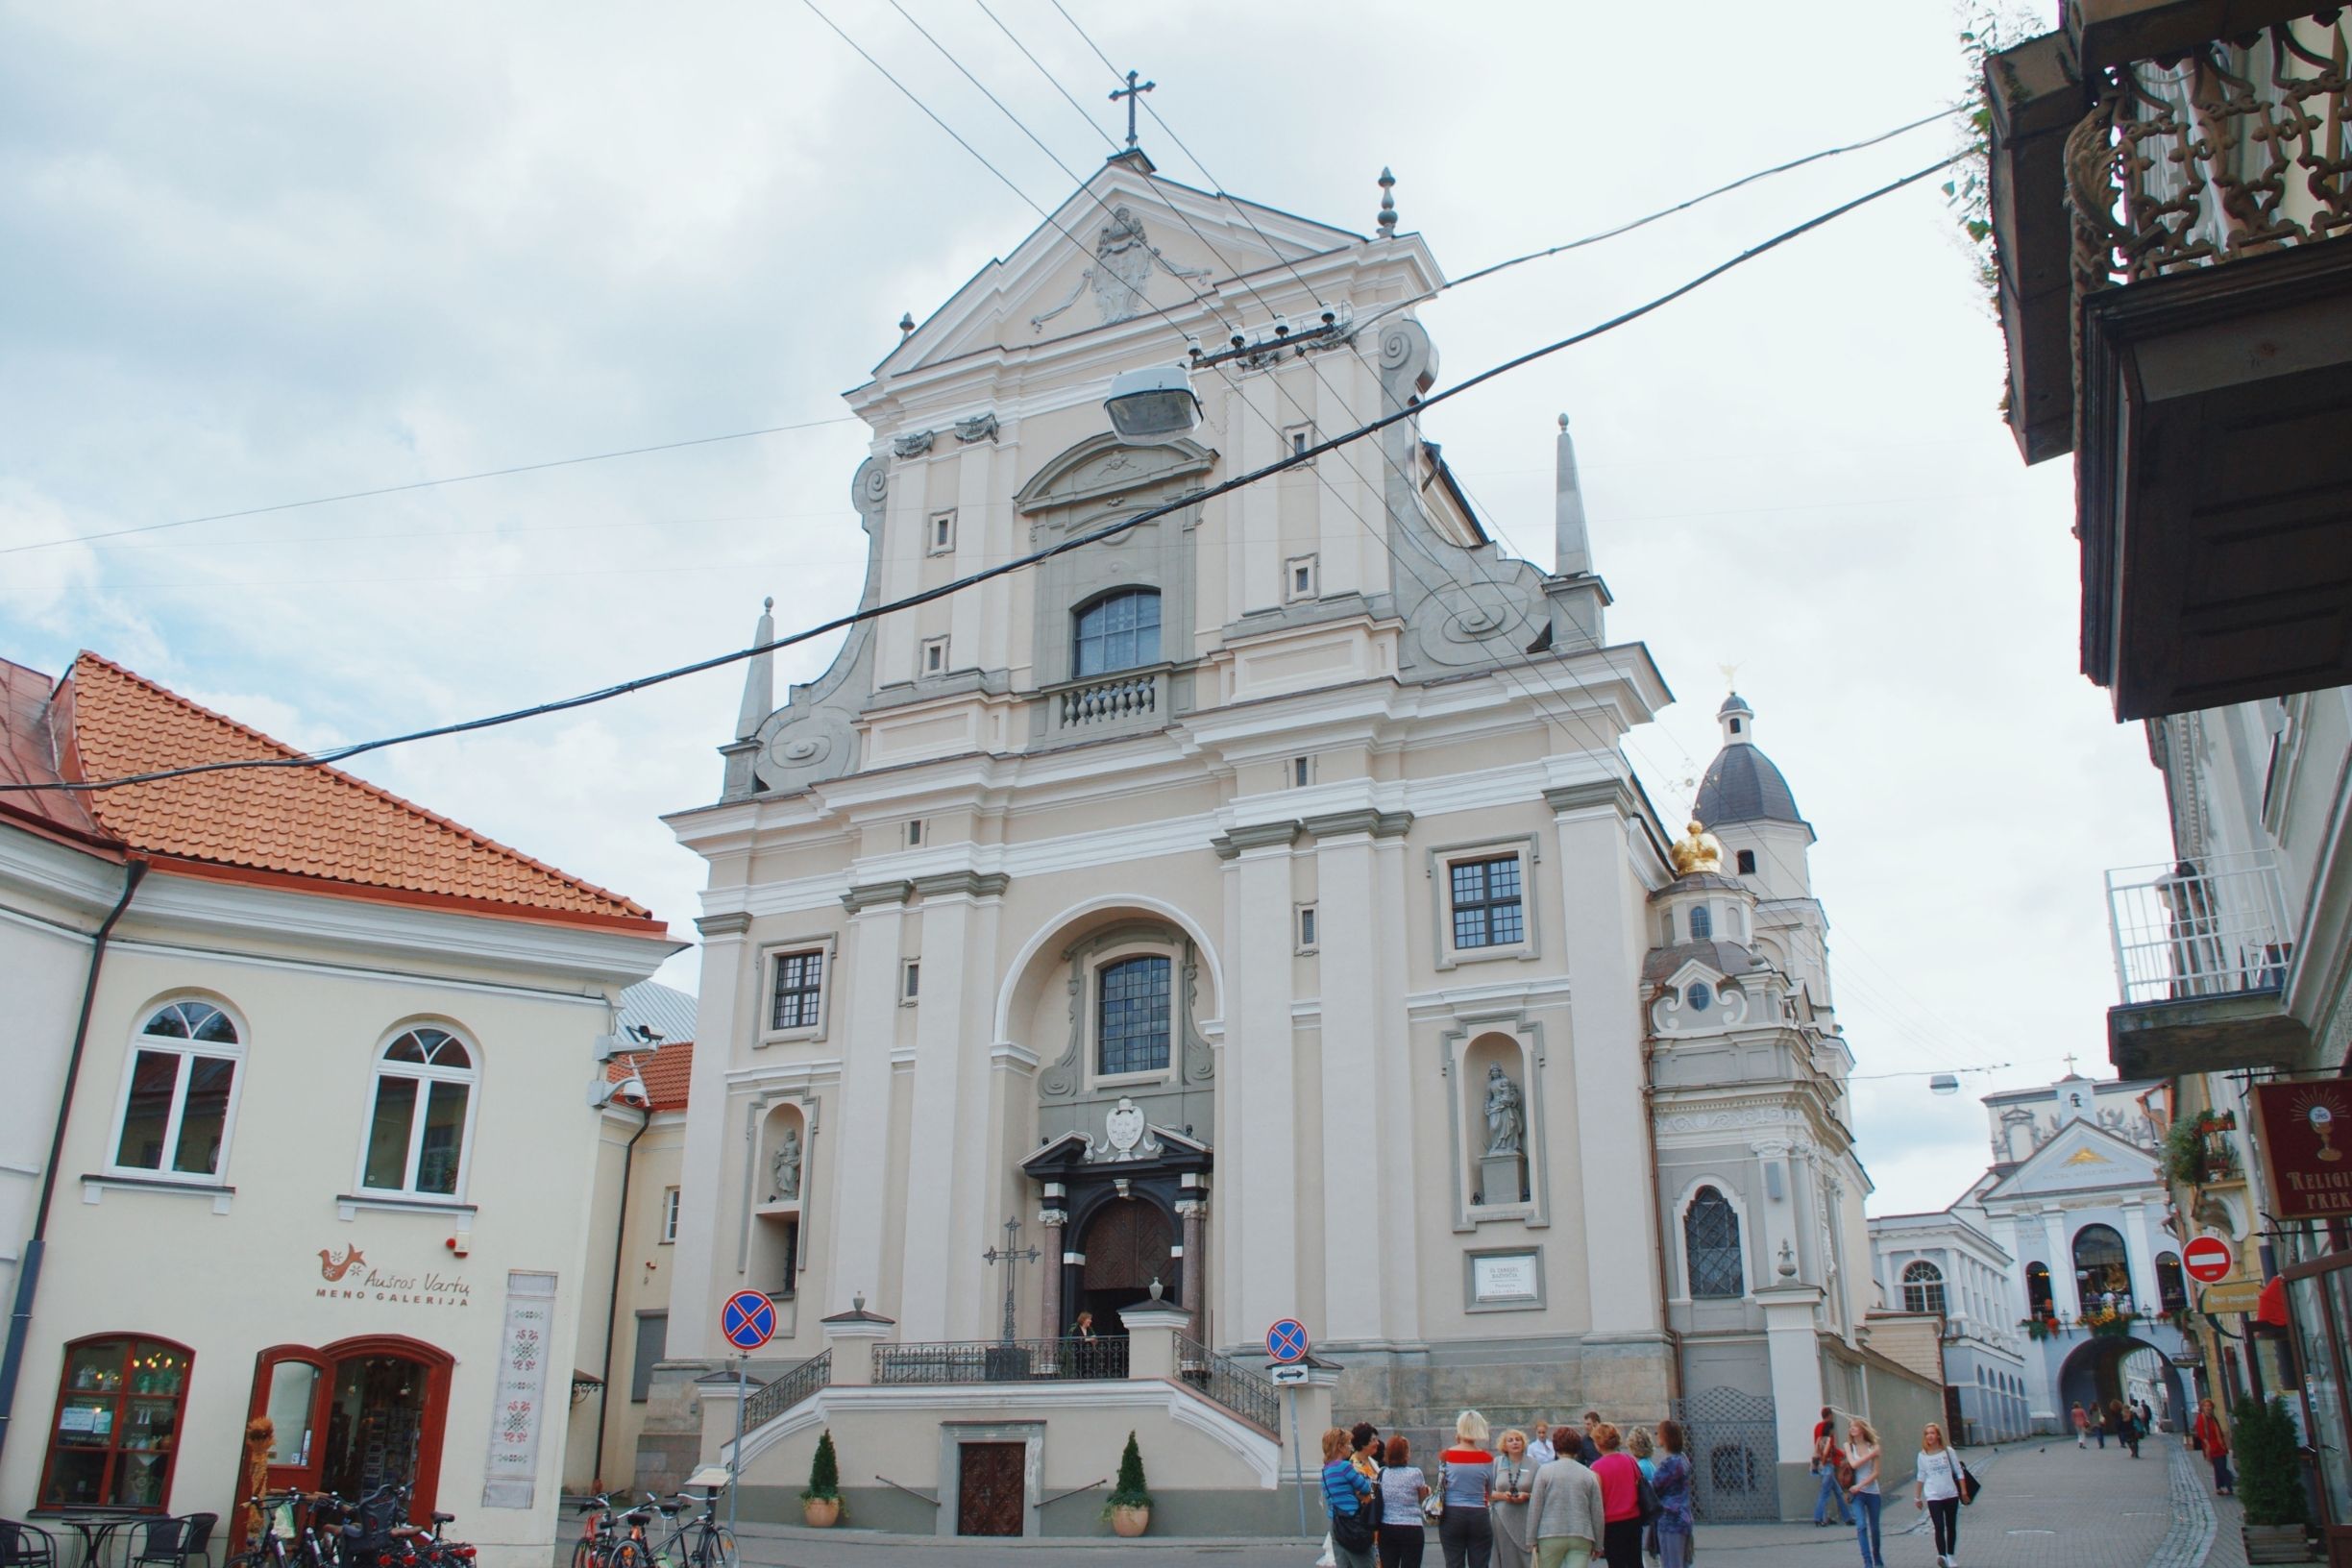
612	1307
28	1272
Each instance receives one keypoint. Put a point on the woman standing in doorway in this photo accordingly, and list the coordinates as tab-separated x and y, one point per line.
1465	1478
1620	1477
1862	1492
1514	1482
1935	1485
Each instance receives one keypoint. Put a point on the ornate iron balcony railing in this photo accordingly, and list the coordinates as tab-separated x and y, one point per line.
788	1390
2234	148
1001	1361
2215	927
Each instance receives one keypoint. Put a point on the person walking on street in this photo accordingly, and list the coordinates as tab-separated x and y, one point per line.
1862	1458
1506	1504
1346	1494
1935	1485
1566	1513
1402	1489
1620	1477
2082	1426
2127	1430
1465	1472
2212	1439
1827	1455
1671	1481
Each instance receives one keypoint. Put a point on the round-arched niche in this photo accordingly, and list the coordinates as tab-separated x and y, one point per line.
779	1191
1497	1121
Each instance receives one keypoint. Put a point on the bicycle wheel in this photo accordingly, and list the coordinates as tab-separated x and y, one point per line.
717	1549
627	1554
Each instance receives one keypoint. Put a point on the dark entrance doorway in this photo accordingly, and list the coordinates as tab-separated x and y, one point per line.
990	1494
1127	1243
353	1415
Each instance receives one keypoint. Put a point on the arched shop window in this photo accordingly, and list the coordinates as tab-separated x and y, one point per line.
2038	1289
2172	1291
117	1425
2102	1277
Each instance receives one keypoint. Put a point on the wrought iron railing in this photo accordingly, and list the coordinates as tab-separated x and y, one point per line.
1224	1380
788	1390
2237	147
2214	927
1001	1361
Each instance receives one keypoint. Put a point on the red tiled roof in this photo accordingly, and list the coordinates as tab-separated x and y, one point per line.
29	755
290	825
665	1070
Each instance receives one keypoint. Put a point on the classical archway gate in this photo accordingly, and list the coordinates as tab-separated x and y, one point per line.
1734	1452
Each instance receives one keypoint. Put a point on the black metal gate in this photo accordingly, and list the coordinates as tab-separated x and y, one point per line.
1734	1452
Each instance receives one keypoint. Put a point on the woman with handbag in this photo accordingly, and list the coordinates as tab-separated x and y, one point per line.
1347	1497
1936	1488
2212	1439
1621	1489
1403	1490
1465	1477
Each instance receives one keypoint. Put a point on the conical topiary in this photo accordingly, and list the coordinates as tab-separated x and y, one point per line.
825	1473
1130	1492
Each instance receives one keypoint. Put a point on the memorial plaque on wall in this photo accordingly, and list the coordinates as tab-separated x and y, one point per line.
518	1409
2305	1131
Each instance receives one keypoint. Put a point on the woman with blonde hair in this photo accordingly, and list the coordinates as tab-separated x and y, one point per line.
1514	1482
1936	1488
1466	1482
1862	1491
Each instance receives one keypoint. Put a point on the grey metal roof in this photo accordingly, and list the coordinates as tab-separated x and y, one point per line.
664	1009
1733	703
1743	786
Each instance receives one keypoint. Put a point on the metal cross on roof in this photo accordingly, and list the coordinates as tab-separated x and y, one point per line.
1131	92
1007	1255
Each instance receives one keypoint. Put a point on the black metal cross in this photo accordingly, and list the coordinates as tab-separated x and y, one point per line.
1008	1256
1131	92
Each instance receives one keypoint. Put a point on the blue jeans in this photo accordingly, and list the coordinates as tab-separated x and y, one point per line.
1830	1495
1866	1529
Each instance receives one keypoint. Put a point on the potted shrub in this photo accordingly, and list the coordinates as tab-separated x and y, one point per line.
820	1503
1129	1506
2270	1480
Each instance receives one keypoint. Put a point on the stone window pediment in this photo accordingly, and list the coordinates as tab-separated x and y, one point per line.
1103	474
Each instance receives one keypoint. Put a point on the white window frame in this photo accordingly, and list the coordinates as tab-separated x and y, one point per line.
1298	772
1307	928
183	1048
1747	1242
939	533
1295	592
771	956
425	1076
669	1216
1091	1000
910	981
914	832
934	660
1443	858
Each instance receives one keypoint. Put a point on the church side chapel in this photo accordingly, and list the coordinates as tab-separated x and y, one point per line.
1248	916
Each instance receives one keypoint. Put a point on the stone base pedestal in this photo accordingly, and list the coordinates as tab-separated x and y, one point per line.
1502	1178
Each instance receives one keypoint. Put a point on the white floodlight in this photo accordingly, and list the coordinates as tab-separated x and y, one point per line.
1152	404
1944	1083
632	1089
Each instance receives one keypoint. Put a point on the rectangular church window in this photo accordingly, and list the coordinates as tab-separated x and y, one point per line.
1487	911
1133	1020
800	989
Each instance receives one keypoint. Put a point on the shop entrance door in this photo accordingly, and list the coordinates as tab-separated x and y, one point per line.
352	1416
2320	1313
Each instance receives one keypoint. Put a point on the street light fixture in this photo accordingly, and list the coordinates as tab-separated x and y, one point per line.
1152	404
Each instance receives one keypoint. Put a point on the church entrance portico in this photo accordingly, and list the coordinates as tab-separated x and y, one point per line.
1121	1231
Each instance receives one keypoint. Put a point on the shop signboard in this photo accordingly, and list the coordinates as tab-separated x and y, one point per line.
2305	1129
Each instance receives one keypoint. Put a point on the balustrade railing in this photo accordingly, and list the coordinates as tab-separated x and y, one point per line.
767	1404
1129	697
1225	1380
999	1360
2198	928
2238	147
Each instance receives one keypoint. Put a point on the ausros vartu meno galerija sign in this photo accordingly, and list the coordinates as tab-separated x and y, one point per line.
2306	1134
347	1275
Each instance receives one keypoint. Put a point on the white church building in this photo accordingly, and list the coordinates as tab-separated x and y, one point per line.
1250	916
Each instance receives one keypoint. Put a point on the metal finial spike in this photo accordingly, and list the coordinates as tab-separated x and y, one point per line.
1387	206
1563	424
906	322
767	604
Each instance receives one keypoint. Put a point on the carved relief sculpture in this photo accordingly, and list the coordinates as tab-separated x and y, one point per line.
786	1167
1506	1113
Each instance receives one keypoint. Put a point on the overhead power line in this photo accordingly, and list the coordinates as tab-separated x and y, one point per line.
427	485
1281	465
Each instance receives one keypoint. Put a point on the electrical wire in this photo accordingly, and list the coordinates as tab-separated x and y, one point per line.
1111	530
427	485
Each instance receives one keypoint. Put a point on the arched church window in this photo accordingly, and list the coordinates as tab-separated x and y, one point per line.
1132	1017
2171	1291
2038	1289
1702	922
1922	1287
1117	631
2103	1277
1710	1236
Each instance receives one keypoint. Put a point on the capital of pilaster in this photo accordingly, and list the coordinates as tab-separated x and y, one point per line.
722	925
1193	1208
1255	836
1053	1219
876	895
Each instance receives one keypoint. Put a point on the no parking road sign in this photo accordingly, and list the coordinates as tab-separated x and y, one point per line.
1286	1341
2207	1260
748	1319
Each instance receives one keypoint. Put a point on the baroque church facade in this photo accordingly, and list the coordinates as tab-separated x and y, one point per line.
1254	912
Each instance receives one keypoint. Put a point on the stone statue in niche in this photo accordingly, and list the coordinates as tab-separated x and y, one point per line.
1506	1112
786	1167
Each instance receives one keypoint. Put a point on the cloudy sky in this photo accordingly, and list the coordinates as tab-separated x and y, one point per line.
260	255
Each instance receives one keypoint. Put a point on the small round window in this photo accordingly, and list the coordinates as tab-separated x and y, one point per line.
1697	997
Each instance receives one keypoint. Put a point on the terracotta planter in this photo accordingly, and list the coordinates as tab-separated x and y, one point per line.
821	1512
1130	1519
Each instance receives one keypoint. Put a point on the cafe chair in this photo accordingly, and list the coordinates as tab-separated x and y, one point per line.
25	1546
171	1543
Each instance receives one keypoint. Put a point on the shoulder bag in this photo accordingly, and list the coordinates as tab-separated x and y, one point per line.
1969	1486
1432	1506
1646	1498
1361	1529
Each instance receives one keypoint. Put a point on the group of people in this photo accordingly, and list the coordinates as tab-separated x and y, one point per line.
1940	1485
2127	1424
1562	1499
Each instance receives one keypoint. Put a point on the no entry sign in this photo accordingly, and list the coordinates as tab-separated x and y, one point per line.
2207	1260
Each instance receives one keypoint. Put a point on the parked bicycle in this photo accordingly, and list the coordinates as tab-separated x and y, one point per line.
612	1537
697	1542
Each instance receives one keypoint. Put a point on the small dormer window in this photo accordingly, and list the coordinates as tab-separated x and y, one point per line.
1746	863
1735	726
1697	997
1701	923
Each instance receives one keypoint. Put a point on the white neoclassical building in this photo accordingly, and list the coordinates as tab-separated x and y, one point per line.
1254	913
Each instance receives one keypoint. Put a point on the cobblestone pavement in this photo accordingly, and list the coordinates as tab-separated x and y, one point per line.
2042	1507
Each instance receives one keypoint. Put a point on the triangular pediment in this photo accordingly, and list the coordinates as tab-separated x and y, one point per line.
2080	1155
1125	242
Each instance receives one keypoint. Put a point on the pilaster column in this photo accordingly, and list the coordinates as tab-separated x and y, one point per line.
712	1208
1052	1219
1194	1211
1793	1350
862	1189
1350	1069
1260	1110
939	1123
